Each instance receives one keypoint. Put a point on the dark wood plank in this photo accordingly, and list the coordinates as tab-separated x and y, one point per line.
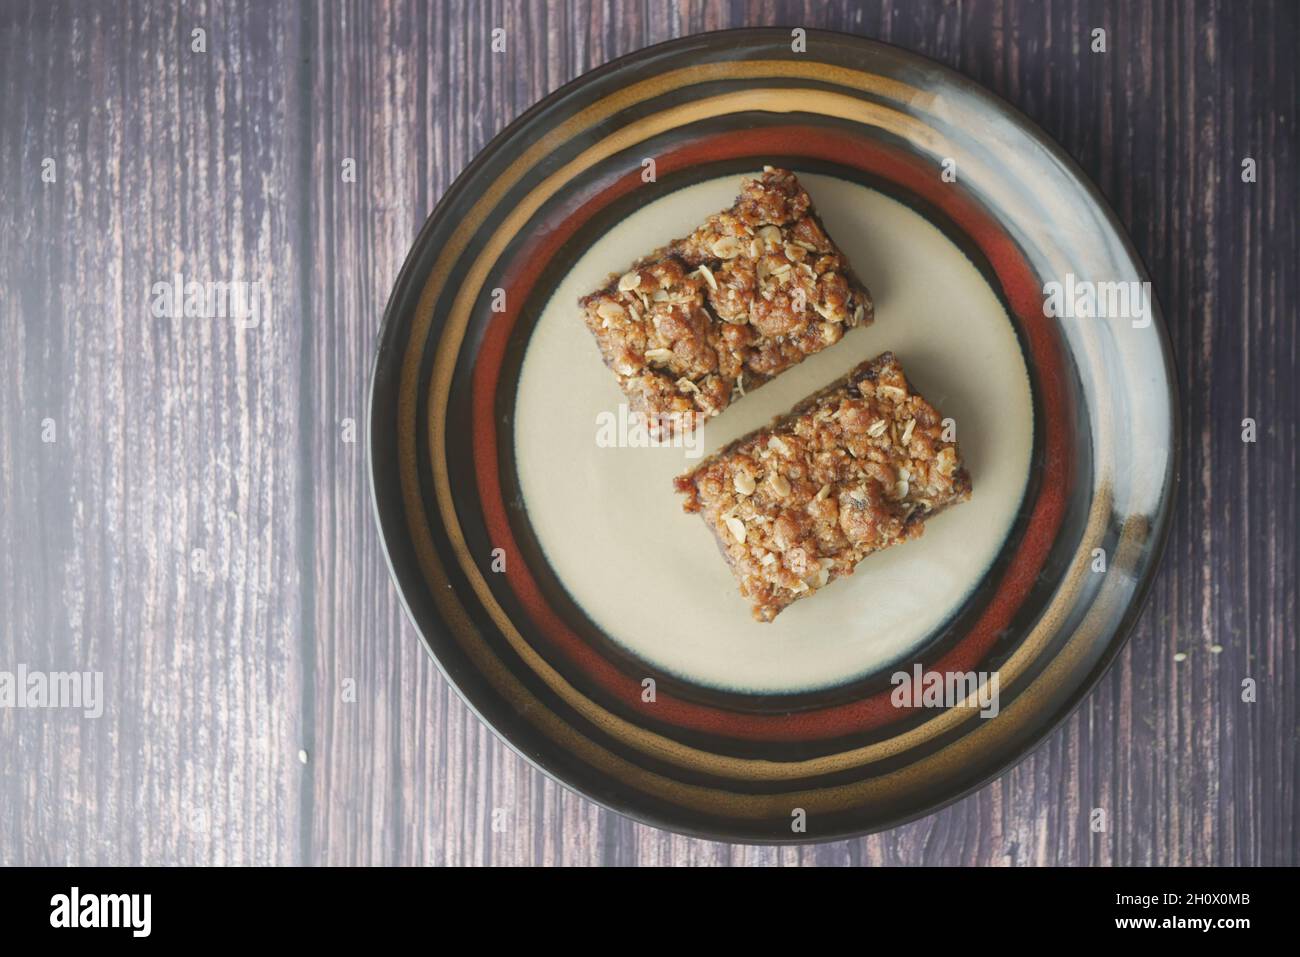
172	438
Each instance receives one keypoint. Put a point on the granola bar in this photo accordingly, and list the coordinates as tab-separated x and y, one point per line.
756	288
855	468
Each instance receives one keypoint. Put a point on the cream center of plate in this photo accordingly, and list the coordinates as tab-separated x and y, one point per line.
652	577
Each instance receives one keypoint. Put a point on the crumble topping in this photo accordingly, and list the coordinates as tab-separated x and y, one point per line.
855	468
751	292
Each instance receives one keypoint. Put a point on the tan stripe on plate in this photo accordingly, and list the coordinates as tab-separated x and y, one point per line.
657	745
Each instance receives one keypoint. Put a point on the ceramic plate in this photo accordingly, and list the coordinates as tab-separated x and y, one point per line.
537	542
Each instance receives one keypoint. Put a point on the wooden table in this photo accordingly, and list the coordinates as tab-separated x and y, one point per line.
183	504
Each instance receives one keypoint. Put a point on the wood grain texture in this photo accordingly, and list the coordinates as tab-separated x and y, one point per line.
155	538
285	635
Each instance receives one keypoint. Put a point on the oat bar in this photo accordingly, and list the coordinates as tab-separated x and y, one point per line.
695	325
855	468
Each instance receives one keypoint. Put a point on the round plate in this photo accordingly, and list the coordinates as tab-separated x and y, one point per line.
553	577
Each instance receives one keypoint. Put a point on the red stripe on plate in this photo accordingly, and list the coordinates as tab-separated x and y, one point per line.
1023	293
